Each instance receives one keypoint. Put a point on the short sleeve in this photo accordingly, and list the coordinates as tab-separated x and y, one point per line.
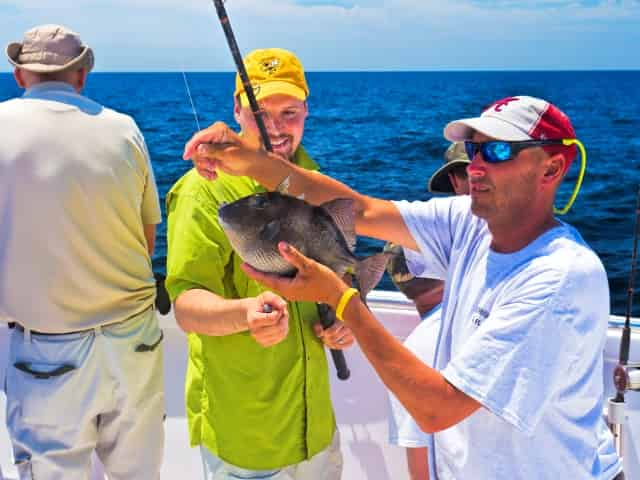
197	249
414	261
433	225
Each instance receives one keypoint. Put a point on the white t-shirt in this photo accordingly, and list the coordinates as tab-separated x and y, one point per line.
76	188
403	429
523	334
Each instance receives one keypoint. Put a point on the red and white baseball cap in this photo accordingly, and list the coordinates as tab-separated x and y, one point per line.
514	119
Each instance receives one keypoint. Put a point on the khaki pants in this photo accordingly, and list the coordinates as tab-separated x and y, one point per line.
99	390
326	465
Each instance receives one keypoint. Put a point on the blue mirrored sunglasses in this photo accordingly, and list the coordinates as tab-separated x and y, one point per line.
500	151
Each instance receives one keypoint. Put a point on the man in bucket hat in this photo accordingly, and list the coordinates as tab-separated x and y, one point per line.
516	391
258	397
451	177
78	213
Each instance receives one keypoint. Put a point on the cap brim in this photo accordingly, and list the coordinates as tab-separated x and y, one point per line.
12	51
268	89
85	59
439	181
464	129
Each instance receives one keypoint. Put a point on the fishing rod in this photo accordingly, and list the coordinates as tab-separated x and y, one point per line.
327	316
242	72
626	376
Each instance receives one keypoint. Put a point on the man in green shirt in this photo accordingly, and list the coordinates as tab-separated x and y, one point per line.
257	393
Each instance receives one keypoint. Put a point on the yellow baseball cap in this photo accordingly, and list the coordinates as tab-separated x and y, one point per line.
272	71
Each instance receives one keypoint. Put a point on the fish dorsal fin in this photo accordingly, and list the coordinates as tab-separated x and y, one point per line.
343	213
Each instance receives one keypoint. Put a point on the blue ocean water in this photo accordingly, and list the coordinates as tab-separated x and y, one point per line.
381	133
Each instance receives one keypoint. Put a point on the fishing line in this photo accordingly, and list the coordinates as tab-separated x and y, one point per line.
621	379
193	106
623	372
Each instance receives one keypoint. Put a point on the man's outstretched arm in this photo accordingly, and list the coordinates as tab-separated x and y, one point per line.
218	148
431	400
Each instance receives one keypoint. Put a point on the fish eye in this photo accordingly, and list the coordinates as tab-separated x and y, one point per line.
259	202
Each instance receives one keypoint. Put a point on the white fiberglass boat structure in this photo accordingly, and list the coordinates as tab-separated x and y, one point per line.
360	403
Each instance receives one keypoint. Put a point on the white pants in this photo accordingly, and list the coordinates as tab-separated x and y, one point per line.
100	390
325	465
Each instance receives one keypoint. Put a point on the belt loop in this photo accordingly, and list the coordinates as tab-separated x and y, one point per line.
97	330
27	335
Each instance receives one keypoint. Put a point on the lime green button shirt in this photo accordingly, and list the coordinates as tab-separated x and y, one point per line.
255	407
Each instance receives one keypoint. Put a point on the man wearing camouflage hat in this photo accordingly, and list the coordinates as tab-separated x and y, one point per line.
78	214
406	268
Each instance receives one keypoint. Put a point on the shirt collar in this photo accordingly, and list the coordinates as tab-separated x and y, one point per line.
302	159
48	87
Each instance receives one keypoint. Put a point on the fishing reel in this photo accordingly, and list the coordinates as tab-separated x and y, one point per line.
627	377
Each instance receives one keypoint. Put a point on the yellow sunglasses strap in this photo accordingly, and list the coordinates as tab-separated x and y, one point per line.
583	167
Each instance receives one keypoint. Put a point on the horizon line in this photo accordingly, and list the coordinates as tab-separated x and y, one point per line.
458	70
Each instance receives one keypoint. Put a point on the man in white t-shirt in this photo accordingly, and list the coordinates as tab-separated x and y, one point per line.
78	213
405	268
516	391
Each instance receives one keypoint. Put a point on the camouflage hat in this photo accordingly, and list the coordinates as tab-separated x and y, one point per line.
453	157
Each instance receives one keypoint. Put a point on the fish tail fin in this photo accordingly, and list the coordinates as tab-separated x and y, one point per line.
369	271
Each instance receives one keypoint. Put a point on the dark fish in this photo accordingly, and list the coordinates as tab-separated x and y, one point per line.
257	223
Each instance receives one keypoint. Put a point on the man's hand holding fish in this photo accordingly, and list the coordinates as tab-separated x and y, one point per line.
313	281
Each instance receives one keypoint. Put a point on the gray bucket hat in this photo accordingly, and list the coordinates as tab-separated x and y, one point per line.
454	156
50	49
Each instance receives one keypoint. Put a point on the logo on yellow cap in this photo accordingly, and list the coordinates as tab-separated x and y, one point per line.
270	67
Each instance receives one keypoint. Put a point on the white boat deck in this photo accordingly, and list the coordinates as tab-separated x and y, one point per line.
360	403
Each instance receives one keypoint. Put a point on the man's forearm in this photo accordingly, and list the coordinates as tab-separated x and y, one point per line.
201	311
433	402
374	218
317	188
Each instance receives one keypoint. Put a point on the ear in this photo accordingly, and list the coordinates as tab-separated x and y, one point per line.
19	78
236	109
554	169
80	79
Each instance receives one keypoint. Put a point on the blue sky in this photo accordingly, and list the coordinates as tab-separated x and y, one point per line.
172	35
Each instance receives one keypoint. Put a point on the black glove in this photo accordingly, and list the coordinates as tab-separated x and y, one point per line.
163	302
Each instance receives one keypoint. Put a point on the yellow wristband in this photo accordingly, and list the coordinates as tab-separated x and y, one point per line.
344	300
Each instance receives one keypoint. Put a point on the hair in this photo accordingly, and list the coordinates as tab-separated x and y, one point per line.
569	152
62	76
459	171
